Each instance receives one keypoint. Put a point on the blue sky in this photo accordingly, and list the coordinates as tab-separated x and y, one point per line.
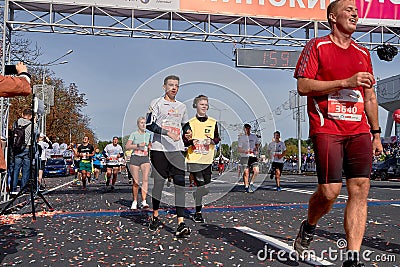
110	70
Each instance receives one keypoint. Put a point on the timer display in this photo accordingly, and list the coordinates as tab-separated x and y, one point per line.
275	59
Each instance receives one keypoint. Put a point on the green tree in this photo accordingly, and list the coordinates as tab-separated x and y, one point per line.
226	151
292	144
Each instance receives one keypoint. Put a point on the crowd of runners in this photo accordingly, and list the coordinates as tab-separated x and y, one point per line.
335	74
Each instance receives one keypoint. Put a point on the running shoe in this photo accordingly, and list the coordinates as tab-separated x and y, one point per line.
248	190
153	226
350	263
252	187
145	205
197	217
271	176
169	179
303	240
278	189
134	205
182	230
112	188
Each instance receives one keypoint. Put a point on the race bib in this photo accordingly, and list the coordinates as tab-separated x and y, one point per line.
171	126
202	147
346	104
113	160
141	152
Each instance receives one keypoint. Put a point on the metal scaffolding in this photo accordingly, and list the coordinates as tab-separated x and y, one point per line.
48	17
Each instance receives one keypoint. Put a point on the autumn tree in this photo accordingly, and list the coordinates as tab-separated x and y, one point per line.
66	121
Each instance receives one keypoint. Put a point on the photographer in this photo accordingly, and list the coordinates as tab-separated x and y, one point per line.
15	85
10	86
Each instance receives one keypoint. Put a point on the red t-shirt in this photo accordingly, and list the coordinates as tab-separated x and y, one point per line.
342	112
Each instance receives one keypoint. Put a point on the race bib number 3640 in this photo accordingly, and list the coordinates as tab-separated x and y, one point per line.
346	104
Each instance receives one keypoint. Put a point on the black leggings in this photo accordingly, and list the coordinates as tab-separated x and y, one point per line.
202	176
169	164
202	188
179	182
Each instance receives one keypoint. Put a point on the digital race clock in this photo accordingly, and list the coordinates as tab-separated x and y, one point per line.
257	58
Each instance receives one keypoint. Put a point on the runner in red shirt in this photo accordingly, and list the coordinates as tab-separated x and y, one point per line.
335	74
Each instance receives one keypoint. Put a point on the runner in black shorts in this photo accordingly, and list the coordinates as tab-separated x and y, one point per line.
248	145
277	151
201	136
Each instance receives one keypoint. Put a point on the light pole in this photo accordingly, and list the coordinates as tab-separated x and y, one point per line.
220	125
44	65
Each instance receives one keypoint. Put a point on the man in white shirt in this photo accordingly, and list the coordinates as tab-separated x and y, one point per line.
165	119
113	153
248	145
277	151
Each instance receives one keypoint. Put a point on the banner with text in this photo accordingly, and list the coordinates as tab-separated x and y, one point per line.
164	5
382	12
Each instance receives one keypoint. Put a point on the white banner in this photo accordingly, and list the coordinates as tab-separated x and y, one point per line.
167	5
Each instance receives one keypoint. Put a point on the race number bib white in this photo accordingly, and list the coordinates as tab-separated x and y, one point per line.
113	160
142	151
346	104
171	126
202	146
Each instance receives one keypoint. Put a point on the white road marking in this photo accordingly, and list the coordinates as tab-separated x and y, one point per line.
308	192
55	188
281	245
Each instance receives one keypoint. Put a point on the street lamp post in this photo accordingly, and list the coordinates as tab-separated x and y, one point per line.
220	125
48	64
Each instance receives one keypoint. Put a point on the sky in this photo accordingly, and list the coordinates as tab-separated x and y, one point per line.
120	76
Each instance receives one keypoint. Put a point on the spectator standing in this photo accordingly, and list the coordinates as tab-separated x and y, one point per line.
21	158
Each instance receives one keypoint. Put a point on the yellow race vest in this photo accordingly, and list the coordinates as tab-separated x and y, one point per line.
203	152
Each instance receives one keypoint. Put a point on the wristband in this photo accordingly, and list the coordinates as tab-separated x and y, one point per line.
376	131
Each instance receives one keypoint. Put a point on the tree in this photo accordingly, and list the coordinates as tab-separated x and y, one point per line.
226	152
292	146
66	121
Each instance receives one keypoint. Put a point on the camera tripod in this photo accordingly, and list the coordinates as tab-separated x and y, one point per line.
32	185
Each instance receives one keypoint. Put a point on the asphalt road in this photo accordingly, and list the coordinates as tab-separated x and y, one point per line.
97	228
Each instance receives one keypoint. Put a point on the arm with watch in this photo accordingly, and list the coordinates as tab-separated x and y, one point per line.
371	110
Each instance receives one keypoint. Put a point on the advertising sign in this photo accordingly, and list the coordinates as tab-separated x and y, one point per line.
382	12
386	12
167	5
